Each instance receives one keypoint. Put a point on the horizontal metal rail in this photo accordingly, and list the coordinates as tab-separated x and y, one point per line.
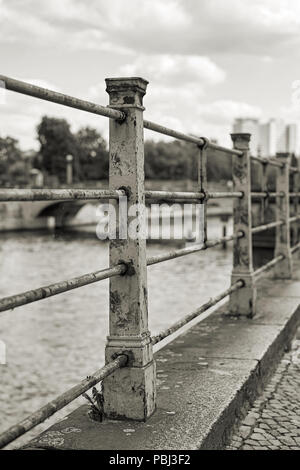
225	194
267	161
294	219
191	249
211	145
192	196
295	247
169	331
265	194
268	266
60	98
11	194
152	126
13	301
294	169
58	194
60	402
28	89
261	228
174	195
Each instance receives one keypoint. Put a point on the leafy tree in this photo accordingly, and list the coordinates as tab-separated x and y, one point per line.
166	160
11	160
219	166
177	160
56	142
92	154
163	160
18	173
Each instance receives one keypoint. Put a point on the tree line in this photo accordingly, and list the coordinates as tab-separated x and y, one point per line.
163	160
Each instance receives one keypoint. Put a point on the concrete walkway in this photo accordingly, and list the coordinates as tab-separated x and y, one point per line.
273	423
208	378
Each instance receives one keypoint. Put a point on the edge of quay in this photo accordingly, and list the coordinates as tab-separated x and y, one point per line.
208	378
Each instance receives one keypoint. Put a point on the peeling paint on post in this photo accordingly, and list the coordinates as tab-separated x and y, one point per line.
242	301
284	269
130	392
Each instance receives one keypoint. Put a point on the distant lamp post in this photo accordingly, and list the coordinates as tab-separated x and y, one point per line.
69	169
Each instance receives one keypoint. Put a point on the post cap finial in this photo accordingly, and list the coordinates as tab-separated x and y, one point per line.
246	136
126	91
285	155
126	83
241	140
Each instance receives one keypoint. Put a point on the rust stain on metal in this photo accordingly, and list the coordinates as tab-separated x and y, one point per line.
242	302
129	394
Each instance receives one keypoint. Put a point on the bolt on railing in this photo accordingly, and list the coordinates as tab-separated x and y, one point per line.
129	381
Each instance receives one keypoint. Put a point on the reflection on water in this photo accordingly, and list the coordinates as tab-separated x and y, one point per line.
54	343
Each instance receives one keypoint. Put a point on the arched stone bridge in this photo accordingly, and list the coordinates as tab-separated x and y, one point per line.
62	211
45	214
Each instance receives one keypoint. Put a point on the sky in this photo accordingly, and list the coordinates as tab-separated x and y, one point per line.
207	62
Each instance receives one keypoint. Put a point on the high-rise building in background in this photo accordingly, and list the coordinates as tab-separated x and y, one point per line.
281	144
267	138
293	138
270	137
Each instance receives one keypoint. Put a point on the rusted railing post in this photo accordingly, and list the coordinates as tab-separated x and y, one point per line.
243	301
295	202
129	392
202	188
264	202
283	269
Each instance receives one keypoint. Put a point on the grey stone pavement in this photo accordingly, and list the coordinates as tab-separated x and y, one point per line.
273	423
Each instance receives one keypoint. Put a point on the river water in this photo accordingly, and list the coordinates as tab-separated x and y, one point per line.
54	343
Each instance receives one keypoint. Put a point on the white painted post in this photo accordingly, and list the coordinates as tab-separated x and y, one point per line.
243	301
283	269
129	392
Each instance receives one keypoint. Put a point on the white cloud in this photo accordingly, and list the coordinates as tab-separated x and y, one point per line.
176	85
180	108
260	27
225	111
16	24
213	120
177	69
169	14
94	39
92	25
116	14
178	45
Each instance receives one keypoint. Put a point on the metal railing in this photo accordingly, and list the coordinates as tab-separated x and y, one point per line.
129	349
